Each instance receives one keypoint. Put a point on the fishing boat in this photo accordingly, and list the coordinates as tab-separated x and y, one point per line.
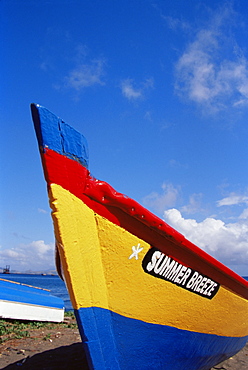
25	302
143	295
6	270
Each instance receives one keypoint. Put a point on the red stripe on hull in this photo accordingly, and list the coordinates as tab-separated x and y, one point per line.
130	215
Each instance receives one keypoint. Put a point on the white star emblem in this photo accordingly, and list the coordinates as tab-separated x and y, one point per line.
135	250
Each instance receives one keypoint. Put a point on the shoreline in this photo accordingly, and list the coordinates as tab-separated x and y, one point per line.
237	362
60	347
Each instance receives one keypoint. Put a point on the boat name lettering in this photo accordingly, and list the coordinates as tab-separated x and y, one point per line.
164	267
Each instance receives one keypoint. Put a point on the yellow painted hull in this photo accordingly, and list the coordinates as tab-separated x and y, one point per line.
102	275
144	296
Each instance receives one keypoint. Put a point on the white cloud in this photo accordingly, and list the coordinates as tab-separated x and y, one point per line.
173	163
160	201
71	64
86	75
176	23
35	256
131	92
226	242
172	22
41	210
194	204
212	71
233	199
244	214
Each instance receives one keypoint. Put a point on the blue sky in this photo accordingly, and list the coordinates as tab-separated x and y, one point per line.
160	91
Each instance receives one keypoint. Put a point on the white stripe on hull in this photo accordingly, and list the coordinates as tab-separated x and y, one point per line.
25	311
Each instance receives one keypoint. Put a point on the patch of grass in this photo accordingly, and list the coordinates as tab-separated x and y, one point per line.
47	336
12	329
70	314
17	329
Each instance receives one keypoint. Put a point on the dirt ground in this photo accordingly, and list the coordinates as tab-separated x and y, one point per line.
45	349
52	349
237	362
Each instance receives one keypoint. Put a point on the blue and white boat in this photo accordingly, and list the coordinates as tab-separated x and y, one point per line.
24	302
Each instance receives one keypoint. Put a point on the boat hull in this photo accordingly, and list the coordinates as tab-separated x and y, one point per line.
143	295
140	345
133	319
25	302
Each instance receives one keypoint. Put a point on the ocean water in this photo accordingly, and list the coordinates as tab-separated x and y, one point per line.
53	283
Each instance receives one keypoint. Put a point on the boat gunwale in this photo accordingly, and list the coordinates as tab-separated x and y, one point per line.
104	194
101	197
25	285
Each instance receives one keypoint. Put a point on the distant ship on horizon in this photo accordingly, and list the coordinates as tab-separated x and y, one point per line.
6	270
